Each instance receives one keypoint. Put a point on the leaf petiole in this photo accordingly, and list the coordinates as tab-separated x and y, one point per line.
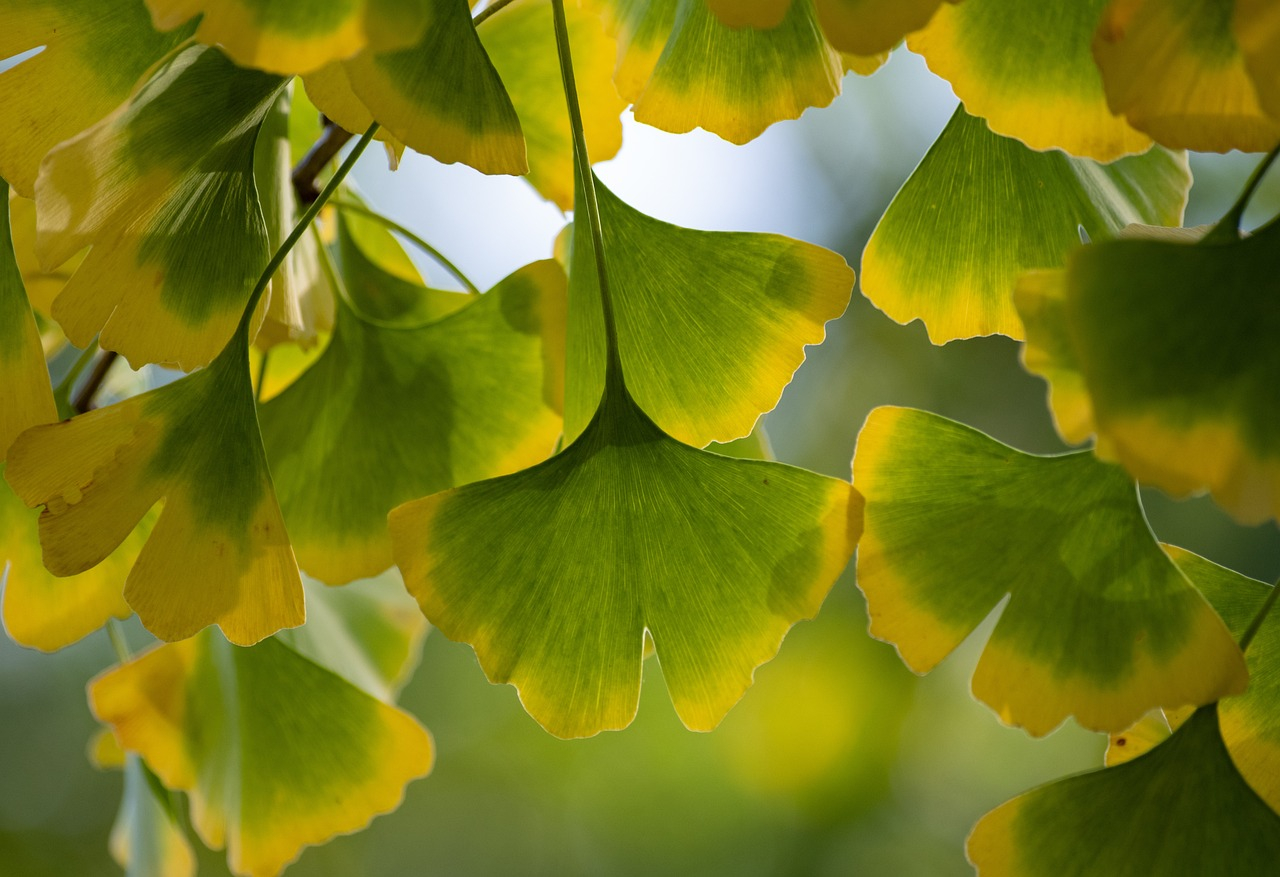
392	225
1228	228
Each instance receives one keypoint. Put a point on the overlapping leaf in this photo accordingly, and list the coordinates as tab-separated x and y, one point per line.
982	208
394	411
145	840
1163	346
93	53
1100	624
163	191
42	285
1173	69
711	325
1028	70
296	36
1256	25
869	27
276	750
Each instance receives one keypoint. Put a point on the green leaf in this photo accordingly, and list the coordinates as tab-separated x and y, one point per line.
1173	69
145	840
1181	809
163	191
981	209
94	52
555	574
1164	346
1028	70
711	325
1100	624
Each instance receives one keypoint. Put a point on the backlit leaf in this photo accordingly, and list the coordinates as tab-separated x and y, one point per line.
1257	31
1100	624
981	209
42	286
1028	70
868	27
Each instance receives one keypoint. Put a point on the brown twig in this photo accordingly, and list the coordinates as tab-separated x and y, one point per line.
83	399
323	151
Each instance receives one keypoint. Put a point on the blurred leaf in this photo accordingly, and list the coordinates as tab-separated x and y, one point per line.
1100	624
329	88
1173	70
163	191
1256	26
1027	69
145	840
760	14
982	208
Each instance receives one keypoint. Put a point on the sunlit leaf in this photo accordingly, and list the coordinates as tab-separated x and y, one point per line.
391	412
1173	70
711	325
94	52
1028	70
163	191
982	208
275	751
1099	625
868	27
330	88
555	574
1257	31
296	36
1181	809
219	553
521	43
145	840
1163	346
683	68
42	286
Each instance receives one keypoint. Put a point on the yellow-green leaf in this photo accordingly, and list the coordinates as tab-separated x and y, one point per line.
1256	25
869	27
145	840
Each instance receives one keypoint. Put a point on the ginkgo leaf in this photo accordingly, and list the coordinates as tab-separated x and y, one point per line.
219	553
330	88
868	27
441	97
1173	70
93	53
981	209
26	397
1256	26
1180	392
1100	624
391	412
683	68
296	36
711	325
1028	70
163	191
521	43
145	839
275	751
1181	809
42	285
556	574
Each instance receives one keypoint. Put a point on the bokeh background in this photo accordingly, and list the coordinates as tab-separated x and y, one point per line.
838	761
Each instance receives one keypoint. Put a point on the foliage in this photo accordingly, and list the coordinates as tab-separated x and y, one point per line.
569	470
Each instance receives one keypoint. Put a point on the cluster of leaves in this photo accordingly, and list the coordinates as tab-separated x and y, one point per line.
534	459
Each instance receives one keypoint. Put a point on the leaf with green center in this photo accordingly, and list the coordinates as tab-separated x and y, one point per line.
26	397
981	209
1173	70
275	751
1180	393
146	841
683	68
163	191
1099	625
1181	809
1027	69
219	553
869	27
555	574
522	45
712	325
1256	26
296	36
441	97
94	53
395	411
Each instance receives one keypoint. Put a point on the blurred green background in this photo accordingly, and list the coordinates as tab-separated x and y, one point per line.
839	760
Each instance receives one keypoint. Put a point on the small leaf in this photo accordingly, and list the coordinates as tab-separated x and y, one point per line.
981	208
1027	69
145	840
1099	625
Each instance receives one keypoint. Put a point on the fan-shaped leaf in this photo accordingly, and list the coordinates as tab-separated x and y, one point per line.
869	27
982	208
1100	624
42	286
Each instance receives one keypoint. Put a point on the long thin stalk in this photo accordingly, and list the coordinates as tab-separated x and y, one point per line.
1258	619
1229	226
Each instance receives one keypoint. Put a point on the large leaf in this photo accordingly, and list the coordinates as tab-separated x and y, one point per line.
981	209
555	575
1181	809
711	325
163	191
93	53
1163	346
1028	70
1173	70
1099	624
